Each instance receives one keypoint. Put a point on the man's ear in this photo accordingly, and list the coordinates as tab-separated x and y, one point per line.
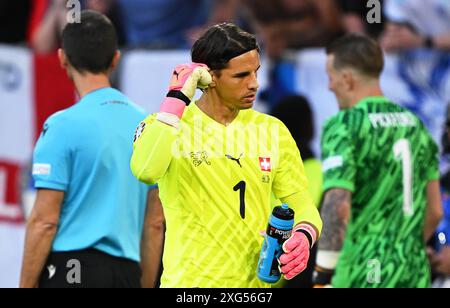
116	60
63	61
214	76
349	80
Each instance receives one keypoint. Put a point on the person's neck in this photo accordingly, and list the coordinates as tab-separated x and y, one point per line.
211	105
87	83
366	91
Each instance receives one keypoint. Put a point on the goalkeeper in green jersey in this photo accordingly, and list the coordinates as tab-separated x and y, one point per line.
381	179
217	162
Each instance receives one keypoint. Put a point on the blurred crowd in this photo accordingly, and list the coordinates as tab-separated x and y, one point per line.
280	24
172	24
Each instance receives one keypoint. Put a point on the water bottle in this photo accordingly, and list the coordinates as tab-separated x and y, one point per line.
278	231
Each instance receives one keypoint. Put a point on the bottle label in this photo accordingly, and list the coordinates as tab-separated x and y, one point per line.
281	235
278	237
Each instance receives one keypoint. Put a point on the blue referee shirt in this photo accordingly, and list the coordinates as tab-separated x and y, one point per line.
85	151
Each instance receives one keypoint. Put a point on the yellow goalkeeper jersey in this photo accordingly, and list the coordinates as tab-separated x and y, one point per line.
215	185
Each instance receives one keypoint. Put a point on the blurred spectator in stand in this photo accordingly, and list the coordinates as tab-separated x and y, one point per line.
355	18
439	254
46	35
417	24
419	33
295	24
14	16
291	24
222	11
295	112
171	24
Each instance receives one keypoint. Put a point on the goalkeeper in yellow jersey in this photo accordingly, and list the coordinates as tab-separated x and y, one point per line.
217	162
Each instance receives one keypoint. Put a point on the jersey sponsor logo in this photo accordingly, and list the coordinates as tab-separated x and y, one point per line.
332	162
42	169
139	131
237	160
264	163
266	179
199	158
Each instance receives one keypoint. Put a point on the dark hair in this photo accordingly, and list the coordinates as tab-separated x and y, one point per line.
221	43
295	112
90	46
358	52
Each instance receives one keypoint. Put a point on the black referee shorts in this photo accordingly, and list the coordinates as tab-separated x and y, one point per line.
89	269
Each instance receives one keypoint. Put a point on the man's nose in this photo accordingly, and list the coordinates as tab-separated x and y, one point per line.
253	83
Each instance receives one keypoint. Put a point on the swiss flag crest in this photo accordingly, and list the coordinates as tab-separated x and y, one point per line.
265	165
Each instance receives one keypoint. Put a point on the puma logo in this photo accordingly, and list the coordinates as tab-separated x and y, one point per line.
237	160
176	74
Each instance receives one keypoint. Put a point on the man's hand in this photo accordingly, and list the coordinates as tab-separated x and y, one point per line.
186	78
441	261
400	37
296	255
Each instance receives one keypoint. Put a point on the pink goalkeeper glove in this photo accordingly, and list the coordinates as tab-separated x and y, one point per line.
296	251
186	78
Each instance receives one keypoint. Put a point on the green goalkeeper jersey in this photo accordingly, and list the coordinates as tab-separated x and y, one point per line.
384	155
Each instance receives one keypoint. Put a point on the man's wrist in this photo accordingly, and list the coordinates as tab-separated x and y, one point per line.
174	106
179	95
326	262
309	231
327	259
322	277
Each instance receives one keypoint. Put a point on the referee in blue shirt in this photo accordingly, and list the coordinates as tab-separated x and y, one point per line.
87	224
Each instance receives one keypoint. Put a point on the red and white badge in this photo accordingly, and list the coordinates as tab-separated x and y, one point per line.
264	163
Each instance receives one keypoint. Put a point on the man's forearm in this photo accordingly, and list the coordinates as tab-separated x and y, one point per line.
336	209
335	215
46	37
152	240
152	247
431	224
434	212
38	243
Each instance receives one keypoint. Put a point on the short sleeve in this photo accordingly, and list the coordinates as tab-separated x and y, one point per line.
51	159
338	161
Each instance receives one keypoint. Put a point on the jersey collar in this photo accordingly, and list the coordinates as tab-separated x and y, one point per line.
196	110
373	99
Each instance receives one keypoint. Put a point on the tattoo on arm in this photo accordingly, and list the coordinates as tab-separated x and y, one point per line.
335	215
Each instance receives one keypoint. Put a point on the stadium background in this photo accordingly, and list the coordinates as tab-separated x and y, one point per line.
32	87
